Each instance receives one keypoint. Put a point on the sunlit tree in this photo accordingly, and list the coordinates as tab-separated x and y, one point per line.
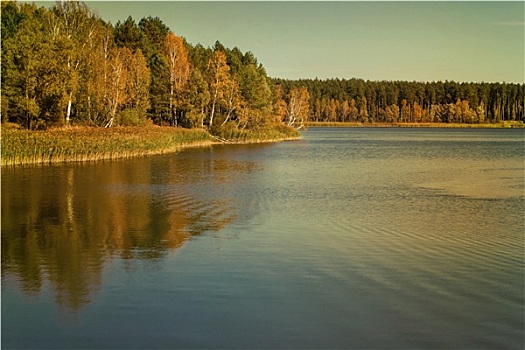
179	70
298	107
218	72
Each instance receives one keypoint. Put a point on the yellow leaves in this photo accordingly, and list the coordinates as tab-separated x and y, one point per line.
220	72
177	60
179	71
129	79
120	59
298	108
220	80
137	85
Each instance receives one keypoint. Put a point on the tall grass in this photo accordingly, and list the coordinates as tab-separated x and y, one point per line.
87	144
76	144
270	133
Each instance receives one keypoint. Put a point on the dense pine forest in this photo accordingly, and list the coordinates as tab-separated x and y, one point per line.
356	100
64	66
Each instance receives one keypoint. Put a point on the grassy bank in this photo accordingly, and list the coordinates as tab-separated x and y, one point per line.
271	133
506	124
77	144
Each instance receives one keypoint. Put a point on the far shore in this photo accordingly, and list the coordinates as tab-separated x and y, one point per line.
505	124
84	144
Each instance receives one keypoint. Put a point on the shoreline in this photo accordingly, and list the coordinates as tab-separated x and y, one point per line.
81	144
502	125
21	147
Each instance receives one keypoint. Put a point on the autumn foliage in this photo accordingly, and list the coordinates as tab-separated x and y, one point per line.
391	102
65	66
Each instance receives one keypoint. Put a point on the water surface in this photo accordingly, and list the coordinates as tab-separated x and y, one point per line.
349	238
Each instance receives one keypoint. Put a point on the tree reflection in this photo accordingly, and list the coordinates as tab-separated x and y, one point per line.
62	224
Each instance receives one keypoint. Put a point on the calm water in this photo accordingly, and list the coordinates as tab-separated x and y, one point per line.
349	238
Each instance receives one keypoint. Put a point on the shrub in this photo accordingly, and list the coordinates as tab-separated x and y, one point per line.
132	117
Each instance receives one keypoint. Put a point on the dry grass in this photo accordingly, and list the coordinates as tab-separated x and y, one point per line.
270	133
76	144
80	144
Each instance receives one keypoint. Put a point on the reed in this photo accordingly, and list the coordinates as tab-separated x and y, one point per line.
76	144
80	144
270	133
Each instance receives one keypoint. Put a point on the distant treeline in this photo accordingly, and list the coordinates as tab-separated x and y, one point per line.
66	66
356	100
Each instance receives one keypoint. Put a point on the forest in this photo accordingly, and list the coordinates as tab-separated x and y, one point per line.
357	100
64	66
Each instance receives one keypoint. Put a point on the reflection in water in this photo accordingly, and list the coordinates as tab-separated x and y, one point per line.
62	223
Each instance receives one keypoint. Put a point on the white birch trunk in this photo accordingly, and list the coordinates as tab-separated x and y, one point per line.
213	108
68	113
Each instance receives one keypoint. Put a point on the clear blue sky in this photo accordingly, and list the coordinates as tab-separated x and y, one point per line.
422	41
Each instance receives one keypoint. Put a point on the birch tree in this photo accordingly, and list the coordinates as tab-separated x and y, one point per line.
298	107
179	69
197	99
232	99
137	84
74	21
117	81
219	81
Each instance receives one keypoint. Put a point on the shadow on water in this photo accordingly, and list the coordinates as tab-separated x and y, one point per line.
61	224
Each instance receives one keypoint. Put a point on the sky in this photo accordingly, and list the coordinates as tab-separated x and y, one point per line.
372	40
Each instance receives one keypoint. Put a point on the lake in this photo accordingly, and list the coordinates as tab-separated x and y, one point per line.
348	238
